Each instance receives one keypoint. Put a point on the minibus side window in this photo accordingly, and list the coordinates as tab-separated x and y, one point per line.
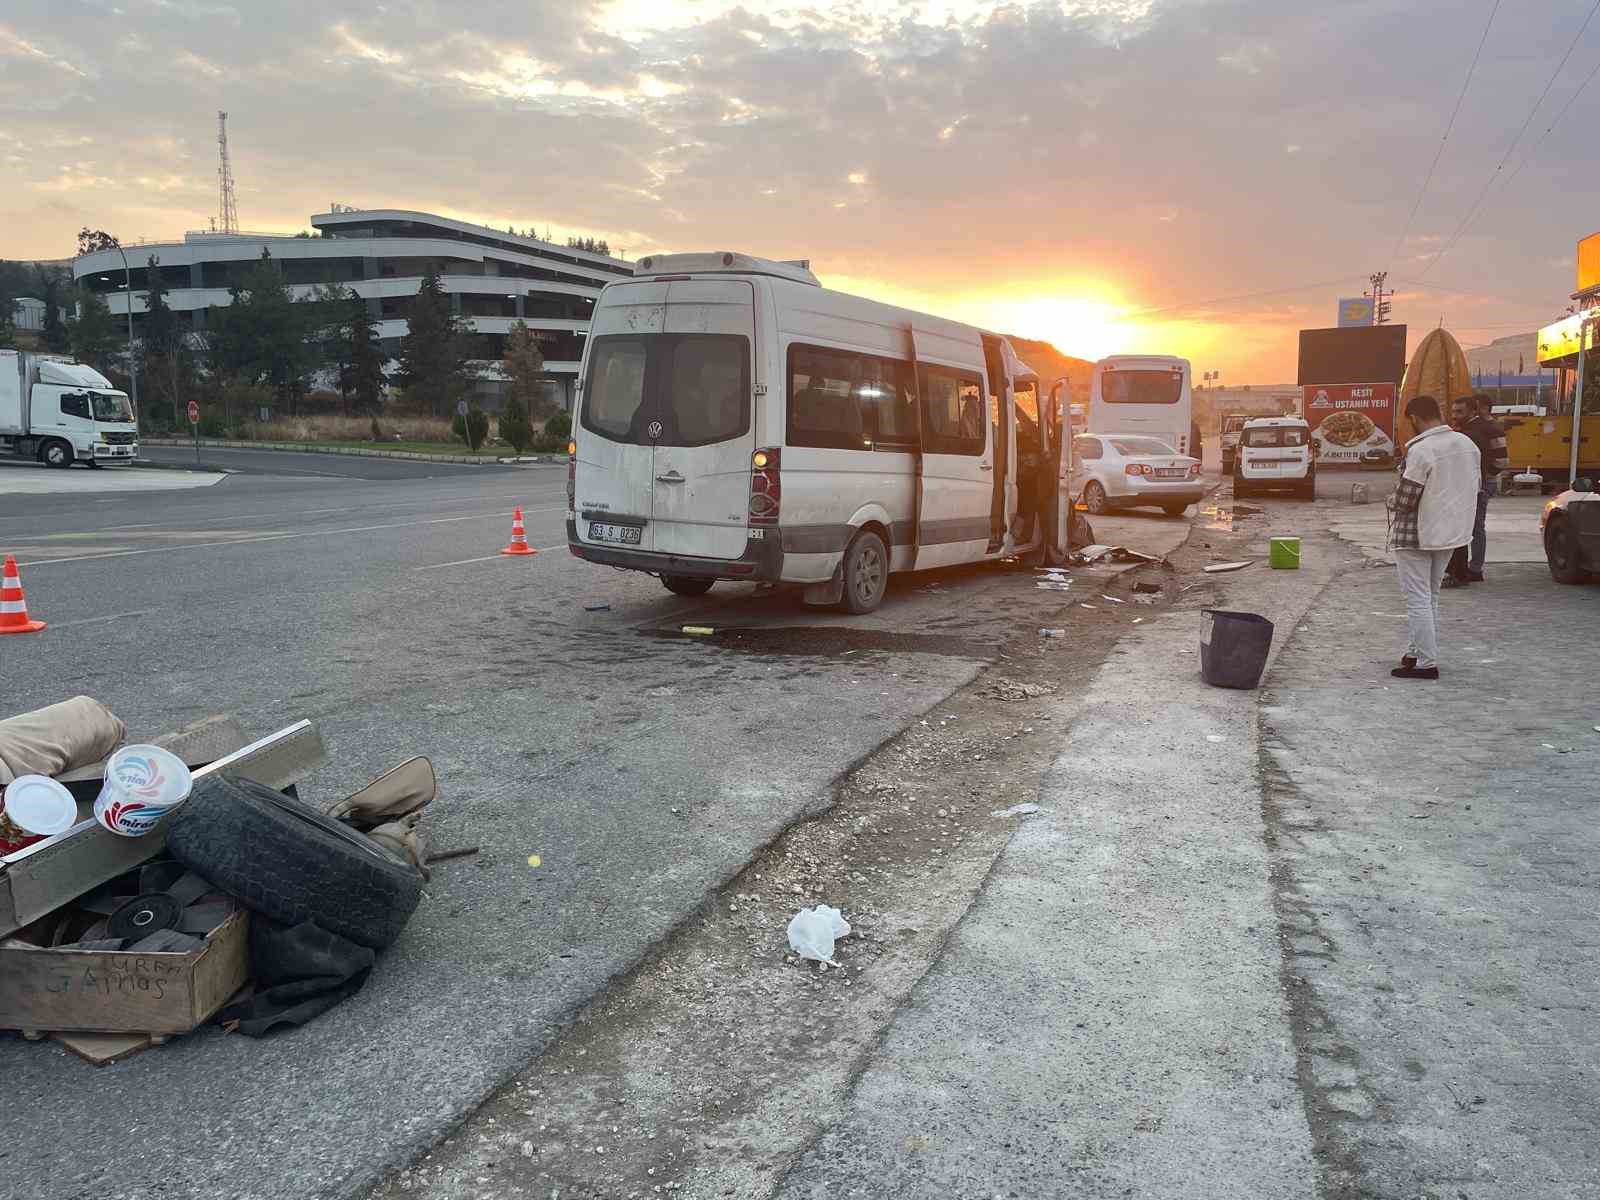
954	412
828	404
895	399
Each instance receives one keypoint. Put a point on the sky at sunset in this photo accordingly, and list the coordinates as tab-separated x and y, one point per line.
1105	174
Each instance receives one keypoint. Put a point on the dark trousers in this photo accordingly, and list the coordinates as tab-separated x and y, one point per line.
1466	558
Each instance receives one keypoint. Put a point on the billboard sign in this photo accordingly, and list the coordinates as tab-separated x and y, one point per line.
1355	312
1589	263
1350	422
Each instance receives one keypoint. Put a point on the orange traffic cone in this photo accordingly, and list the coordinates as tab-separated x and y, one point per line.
519	536
13	608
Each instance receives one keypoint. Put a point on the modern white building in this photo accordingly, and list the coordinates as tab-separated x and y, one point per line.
493	278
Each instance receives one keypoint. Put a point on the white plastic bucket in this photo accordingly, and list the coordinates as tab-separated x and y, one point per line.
33	808
142	785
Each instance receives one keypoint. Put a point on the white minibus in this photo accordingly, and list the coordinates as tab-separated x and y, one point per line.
736	420
1144	394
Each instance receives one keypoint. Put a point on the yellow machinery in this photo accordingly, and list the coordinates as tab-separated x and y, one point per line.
1542	440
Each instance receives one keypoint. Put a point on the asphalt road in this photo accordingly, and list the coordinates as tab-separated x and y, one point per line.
641	766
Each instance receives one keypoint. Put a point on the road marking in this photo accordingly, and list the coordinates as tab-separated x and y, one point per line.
249	541
93	620
461	562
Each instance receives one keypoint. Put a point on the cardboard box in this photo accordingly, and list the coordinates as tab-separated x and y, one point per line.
40	878
113	992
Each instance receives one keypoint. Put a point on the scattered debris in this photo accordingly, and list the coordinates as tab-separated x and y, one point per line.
812	932
597	606
1215	737
1122	554
1218	568
1090	607
1053	633
439	856
1144	598
1145	587
1246	510
1358	493
1016	810
1137	620
1111	599
1090	554
707	631
1052	585
1011	689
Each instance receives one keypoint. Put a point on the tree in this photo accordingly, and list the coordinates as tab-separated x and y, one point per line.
162	333
472	428
515	427
168	359
264	336
523	363
90	240
51	287
92	334
433	353
361	361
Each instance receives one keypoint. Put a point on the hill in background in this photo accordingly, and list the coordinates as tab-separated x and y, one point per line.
1051	365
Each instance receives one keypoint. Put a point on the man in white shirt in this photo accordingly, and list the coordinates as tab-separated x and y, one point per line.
1433	513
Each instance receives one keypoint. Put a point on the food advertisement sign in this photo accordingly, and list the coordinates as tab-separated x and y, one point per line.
1351	422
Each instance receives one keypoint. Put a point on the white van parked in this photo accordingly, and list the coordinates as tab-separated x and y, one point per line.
1275	452
736	420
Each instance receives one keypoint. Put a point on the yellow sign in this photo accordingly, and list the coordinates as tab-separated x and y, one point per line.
1560	341
1589	262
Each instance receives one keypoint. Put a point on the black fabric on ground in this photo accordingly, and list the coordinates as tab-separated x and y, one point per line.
301	971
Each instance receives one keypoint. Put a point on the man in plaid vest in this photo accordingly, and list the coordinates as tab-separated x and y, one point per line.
1432	513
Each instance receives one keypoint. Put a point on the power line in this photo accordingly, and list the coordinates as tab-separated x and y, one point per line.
1548	129
1493	175
1204	304
1449	125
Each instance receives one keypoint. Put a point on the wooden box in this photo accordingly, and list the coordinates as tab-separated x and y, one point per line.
112	992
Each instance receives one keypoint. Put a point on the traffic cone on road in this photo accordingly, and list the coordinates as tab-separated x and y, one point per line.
519	536
13	608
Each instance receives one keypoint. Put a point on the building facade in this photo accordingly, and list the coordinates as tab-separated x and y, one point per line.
493	279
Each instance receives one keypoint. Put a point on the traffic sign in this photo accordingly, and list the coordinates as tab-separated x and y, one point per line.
194	413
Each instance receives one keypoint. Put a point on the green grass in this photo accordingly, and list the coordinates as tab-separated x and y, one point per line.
496	451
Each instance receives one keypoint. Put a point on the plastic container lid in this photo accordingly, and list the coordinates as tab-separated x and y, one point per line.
38	804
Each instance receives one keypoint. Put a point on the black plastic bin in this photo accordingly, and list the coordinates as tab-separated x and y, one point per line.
1233	648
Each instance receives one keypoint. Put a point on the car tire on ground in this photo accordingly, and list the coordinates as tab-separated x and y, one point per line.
1240	487
1094	498
687	585
284	859
1307	489
1561	551
1174	510
56	453
866	572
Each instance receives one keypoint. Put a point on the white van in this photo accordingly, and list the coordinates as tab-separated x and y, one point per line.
1145	394
736	420
1275	452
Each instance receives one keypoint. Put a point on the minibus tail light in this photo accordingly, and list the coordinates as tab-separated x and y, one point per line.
766	487
572	476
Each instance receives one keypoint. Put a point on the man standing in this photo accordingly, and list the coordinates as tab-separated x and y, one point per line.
1471	417
1432	514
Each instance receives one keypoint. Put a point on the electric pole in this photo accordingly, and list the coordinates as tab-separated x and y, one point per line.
1380	297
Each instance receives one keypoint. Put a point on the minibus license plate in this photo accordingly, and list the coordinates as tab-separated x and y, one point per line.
626	535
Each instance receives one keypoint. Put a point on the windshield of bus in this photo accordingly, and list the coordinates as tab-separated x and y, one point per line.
1141	387
668	389
112	406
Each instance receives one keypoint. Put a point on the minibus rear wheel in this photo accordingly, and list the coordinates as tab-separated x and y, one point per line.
866	572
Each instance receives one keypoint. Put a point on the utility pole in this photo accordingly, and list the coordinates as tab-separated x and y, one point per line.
229	216
133	361
1380	297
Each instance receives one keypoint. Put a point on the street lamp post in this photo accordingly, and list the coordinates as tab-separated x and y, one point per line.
1584	323
133	362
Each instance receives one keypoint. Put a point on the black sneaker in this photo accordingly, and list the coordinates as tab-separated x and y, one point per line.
1415	672
1408	661
1474	576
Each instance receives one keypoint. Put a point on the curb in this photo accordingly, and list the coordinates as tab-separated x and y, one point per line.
477	460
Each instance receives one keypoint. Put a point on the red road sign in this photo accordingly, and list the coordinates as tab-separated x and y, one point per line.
194	413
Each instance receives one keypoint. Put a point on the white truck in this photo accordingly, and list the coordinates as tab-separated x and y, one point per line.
61	412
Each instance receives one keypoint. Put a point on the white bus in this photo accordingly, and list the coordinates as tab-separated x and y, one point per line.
736	420
1145	394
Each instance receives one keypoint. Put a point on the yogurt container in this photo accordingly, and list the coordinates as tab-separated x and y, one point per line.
33	808
142	785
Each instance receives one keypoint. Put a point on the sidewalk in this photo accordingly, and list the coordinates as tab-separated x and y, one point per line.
1334	938
1109	1019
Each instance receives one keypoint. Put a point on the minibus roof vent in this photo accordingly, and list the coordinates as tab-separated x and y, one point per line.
723	262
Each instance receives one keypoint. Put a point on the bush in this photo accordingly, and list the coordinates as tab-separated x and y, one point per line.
472	428
560	425
515	428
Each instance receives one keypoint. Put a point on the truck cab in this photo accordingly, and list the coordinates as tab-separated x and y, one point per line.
61	412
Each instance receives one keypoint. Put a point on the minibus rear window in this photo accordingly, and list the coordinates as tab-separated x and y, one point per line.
668	389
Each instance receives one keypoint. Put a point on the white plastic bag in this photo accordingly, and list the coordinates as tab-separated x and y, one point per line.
812	932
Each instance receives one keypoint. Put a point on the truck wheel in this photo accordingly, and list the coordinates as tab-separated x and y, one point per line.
686	585
866	573
56	453
291	863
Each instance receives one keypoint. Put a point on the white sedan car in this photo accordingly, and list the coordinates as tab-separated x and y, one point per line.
1117	470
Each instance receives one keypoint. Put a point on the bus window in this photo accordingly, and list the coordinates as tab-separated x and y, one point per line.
886	388
825	405
953	413
1141	387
